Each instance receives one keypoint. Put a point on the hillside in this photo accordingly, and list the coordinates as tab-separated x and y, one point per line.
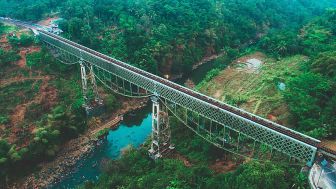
34	117
255	88
293	84
273	58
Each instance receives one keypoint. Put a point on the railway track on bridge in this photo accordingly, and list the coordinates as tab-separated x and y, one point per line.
231	109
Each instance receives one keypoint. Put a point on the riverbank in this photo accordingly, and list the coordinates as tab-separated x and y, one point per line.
205	60
71	152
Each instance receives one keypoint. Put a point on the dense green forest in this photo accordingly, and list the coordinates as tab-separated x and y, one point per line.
169	37
53	123
310	95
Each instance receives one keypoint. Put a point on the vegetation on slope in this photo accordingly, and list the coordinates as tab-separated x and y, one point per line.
255	89
303	59
311	94
40	105
34	122
136	170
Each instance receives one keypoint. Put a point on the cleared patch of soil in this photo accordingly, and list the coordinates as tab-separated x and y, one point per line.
47	96
177	155
251	63
256	55
4	43
3	39
249	83
23	54
17	79
48	21
223	166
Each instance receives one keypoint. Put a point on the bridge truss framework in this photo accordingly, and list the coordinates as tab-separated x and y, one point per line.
223	128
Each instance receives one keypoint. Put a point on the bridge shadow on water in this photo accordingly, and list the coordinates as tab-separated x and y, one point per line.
133	130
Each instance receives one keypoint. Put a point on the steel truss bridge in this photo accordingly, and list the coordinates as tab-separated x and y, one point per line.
225	126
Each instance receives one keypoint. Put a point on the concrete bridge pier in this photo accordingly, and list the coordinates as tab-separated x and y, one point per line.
161	134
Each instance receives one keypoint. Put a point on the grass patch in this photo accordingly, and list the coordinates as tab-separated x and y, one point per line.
256	92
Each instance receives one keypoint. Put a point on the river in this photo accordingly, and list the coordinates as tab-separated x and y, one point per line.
134	130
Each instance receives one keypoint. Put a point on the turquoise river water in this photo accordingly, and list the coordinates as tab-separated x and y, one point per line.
134	130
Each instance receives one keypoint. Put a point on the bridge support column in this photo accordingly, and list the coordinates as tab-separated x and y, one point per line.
84	84
161	134
88	105
94	85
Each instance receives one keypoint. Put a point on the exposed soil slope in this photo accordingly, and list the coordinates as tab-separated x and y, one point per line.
251	83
